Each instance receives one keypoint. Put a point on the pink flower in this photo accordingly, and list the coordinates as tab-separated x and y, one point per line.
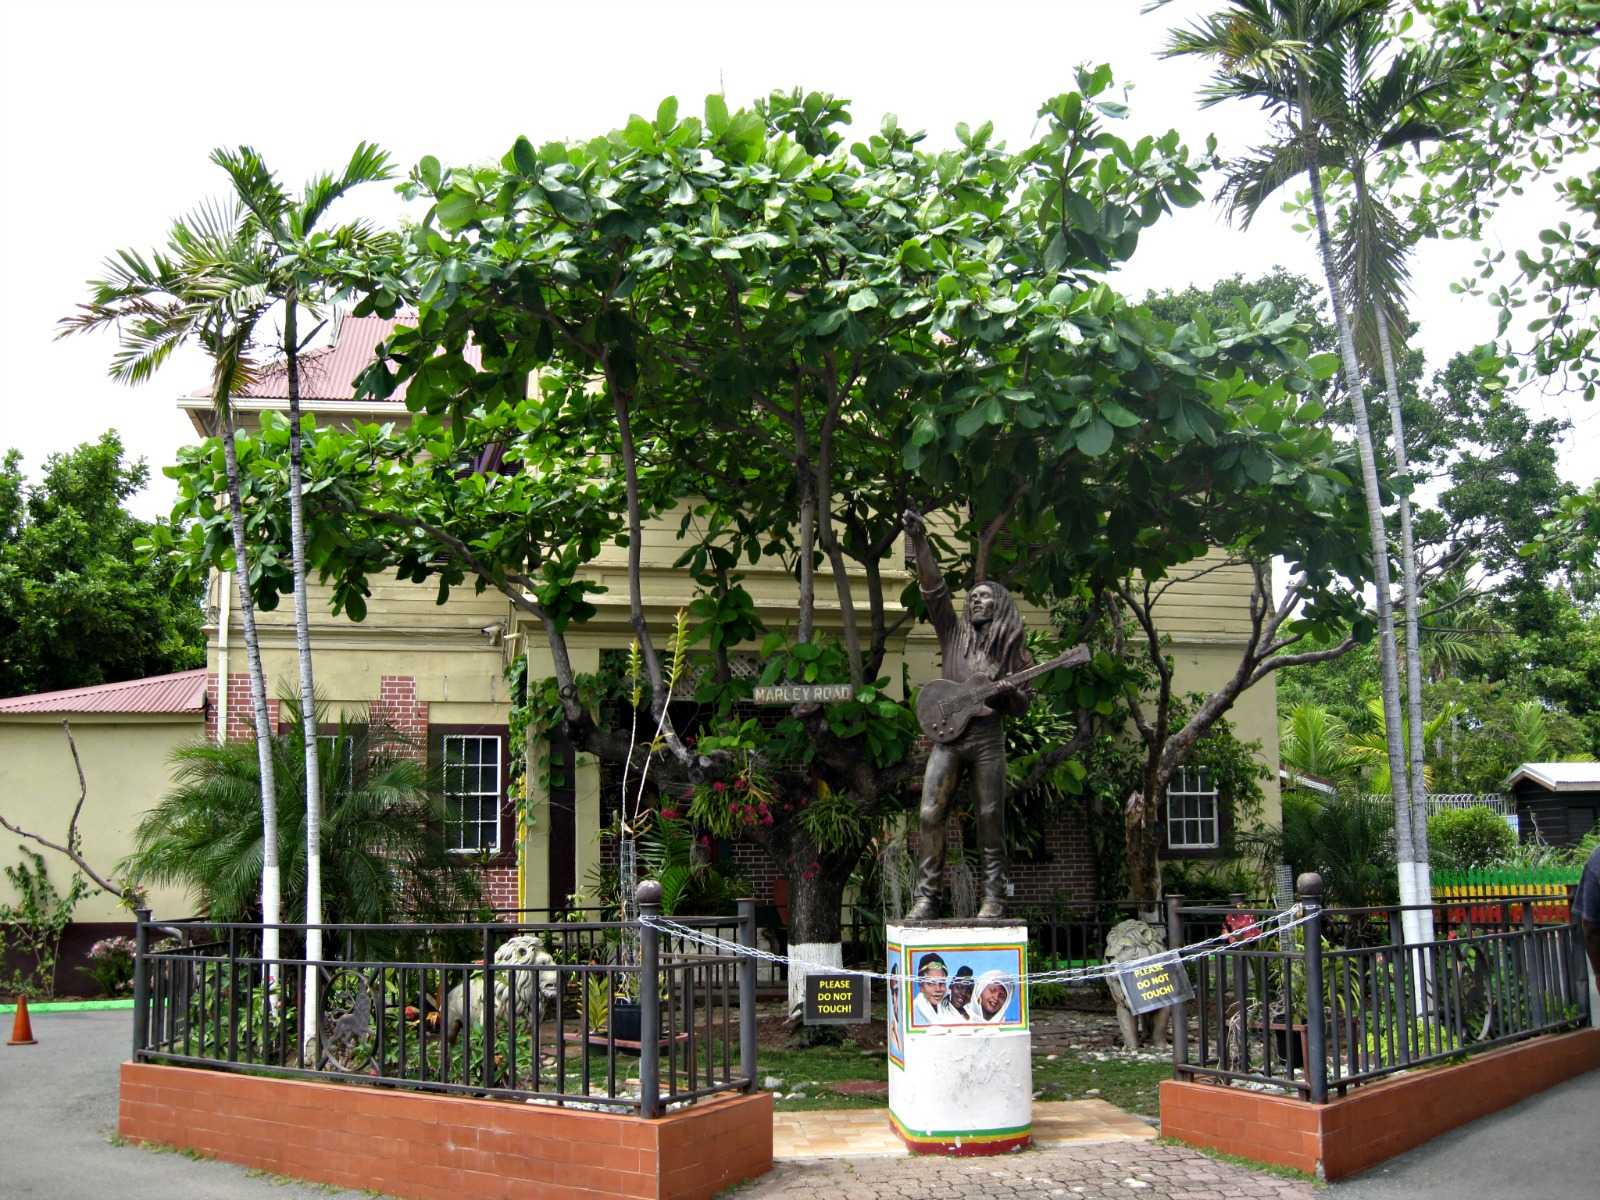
741	783
719	786
670	814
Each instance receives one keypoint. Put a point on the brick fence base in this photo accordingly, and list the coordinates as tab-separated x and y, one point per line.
1375	1122
436	1147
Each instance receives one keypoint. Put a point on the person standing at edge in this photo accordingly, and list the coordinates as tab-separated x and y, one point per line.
983	644
1586	908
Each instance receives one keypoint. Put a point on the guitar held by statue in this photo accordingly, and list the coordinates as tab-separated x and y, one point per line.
946	708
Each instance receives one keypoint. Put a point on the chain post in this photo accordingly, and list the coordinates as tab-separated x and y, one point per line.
1180	1012
141	982
649	898
1309	886
747	993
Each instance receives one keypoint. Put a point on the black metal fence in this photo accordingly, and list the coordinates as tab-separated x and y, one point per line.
604	1014
1345	999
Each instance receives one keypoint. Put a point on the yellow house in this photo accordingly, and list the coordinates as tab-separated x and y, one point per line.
437	673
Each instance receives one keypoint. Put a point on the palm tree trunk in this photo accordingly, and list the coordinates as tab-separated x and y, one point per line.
271	890
308	692
1388	658
1408	585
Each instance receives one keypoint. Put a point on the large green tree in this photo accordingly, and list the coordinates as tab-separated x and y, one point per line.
1535	128
804	339
76	605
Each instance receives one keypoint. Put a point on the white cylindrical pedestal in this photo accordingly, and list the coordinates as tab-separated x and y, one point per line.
960	1050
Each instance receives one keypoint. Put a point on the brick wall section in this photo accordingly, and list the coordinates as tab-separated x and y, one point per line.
1375	1122
436	1147
1067	873
500	888
241	713
396	708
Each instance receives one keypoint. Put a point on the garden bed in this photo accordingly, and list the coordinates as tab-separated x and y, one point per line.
1376	1122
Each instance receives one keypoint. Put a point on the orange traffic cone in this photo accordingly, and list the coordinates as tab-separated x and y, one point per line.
21	1027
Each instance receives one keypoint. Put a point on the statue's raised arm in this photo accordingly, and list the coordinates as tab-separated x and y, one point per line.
941	611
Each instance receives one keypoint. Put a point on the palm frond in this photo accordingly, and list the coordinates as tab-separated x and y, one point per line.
368	164
1371	251
1255	176
255	186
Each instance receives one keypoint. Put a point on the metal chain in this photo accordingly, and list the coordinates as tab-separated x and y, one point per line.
1280	922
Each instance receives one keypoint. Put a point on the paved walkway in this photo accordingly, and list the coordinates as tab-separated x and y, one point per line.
58	1100
1546	1148
865	1132
1096	1171
58	1112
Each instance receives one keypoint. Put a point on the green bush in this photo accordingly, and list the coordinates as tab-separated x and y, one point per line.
1467	839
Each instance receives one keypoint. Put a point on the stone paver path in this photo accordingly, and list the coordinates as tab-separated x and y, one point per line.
1081	1171
866	1133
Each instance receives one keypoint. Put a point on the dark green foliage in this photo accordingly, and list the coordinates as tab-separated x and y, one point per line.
1464	839
383	856
76	606
1346	838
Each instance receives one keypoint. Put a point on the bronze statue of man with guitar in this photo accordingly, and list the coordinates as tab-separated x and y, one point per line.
986	671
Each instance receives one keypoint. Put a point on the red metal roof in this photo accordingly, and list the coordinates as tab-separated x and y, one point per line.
329	372
184	692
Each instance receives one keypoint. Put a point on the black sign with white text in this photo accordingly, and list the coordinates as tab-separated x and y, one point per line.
837	999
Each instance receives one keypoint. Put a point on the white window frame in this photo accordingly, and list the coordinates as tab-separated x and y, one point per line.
1193	809
455	825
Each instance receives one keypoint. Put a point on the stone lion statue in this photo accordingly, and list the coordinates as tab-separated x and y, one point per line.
1129	940
465	1001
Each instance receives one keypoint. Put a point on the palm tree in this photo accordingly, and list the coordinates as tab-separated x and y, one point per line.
1369	749
1283	54
1315	743
1379	109
284	228
208	287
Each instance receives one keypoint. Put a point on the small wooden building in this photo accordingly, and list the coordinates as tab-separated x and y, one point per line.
1556	802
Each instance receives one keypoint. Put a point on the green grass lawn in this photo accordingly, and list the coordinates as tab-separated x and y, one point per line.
1130	1085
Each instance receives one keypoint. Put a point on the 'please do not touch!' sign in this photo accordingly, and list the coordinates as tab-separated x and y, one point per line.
837	999
1152	985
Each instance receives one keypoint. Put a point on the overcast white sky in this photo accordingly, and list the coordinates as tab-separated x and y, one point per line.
109	112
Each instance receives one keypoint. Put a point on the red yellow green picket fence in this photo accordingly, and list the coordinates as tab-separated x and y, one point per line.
1480	896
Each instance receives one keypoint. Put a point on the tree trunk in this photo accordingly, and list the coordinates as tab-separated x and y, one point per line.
1390	674
1139	817
271	891
808	540
308	691
1408	583
816	891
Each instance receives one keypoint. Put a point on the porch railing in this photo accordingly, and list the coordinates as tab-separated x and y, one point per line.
1344	999
600	1014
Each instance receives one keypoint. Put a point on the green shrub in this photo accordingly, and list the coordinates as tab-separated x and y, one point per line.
1467	839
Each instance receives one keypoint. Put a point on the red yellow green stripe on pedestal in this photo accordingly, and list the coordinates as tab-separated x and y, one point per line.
962	1141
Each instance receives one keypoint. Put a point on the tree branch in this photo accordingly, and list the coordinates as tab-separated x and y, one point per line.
74	840
987	536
